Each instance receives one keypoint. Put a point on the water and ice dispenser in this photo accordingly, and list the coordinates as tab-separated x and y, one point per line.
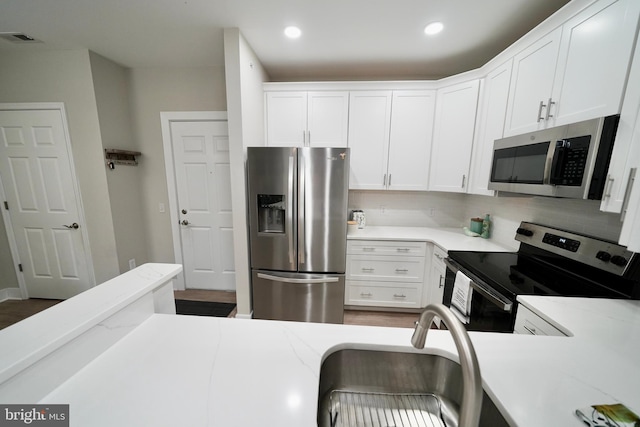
271	213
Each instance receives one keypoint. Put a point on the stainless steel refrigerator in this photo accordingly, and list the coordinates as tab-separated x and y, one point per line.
298	230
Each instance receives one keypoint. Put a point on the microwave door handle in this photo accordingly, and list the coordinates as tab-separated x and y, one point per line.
559	159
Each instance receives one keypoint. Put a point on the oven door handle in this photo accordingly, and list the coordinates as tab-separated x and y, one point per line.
483	289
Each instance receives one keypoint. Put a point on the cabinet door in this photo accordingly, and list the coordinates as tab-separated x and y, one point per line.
412	117
531	85
369	120
593	62
626	153
286	118
327	119
490	127
453	137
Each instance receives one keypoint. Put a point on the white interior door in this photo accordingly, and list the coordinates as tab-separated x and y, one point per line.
203	184
44	210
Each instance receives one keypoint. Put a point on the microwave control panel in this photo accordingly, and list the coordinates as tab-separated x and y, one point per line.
570	160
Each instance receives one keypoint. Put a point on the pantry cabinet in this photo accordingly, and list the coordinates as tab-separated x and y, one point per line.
307	119
390	139
385	273
576	72
490	126
453	137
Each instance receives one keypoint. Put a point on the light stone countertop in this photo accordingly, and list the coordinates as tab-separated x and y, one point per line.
202	371
449	239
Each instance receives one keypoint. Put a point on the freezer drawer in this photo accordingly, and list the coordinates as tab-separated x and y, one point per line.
298	296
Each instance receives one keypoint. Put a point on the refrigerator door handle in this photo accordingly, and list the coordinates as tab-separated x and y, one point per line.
290	210
301	210
291	280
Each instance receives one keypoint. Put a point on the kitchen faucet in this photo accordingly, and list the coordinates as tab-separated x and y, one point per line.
471	379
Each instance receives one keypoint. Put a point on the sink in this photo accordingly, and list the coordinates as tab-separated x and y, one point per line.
389	388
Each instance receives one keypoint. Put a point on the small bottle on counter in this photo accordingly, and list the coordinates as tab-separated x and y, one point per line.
486	225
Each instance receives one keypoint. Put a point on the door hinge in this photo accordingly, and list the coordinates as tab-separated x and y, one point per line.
20	267
6	205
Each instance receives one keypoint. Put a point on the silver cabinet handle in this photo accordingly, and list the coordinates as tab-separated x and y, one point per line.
464	179
441	282
367	294
389	180
384	180
401	270
403	249
627	193
293	280
549	104
308	138
399	296
368	269
440	257
368	249
532	331
609	186
540	118
73	226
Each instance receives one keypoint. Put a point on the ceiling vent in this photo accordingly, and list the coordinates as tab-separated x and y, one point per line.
19	38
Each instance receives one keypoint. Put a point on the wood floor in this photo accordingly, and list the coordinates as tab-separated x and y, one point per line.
13	311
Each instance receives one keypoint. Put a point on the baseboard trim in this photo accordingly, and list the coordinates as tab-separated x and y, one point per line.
10	293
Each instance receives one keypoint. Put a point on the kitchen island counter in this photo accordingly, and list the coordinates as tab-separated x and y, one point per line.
449	239
200	371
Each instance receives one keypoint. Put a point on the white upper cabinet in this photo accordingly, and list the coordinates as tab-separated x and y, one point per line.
369	124
390	139
455	117
490	126
531	85
412	114
576	72
307	119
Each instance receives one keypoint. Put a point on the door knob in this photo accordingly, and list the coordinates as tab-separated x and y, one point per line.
184	211
184	222
75	226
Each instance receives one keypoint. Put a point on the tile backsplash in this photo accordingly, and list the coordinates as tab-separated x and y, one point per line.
436	209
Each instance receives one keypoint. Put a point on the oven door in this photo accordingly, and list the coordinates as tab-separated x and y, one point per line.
490	310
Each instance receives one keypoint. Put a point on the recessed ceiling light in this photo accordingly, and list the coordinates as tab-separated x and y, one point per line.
433	28
292	32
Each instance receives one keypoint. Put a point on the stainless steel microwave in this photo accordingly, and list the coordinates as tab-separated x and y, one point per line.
565	161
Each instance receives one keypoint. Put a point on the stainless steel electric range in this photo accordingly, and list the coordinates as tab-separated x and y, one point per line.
549	262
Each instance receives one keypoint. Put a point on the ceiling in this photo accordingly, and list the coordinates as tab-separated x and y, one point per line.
341	39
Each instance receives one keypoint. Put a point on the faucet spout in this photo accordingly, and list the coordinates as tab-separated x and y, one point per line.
471	379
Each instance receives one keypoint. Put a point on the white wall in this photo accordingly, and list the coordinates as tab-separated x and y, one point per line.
65	76
153	90
111	86
245	76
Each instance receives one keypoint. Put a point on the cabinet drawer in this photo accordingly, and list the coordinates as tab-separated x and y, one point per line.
529	323
385	268
404	295
379	247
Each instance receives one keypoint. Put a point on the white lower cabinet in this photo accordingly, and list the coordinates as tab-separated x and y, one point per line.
385	273
434	291
529	323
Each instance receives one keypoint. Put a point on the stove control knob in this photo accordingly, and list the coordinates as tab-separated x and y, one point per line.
618	260
524	232
603	256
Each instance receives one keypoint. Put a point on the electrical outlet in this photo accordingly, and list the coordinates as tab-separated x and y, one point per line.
132	263
161	207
